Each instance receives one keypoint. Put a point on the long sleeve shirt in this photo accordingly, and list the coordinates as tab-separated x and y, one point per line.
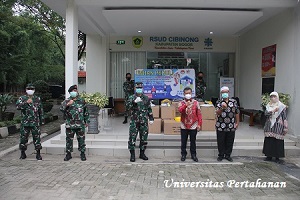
32	113
191	116
76	114
141	111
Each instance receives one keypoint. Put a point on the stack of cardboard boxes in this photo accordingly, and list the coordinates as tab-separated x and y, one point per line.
164	119
208	117
171	127
156	126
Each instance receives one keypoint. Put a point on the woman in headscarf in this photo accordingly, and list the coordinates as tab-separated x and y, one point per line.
275	129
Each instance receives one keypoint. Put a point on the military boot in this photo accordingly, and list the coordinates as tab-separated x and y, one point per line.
38	155
125	120
23	155
132	156
68	156
82	156
142	155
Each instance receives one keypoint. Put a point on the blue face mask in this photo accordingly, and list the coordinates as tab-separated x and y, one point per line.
224	95
139	90
73	94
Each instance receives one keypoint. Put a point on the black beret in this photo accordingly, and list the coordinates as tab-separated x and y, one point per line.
138	83
30	86
72	88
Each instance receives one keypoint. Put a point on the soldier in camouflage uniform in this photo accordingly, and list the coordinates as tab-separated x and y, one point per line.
77	118
140	108
32	117
128	87
200	86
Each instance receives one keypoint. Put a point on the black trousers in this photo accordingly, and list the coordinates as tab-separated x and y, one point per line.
225	141
184	136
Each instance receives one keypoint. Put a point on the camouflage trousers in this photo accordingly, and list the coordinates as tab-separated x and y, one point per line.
70	137
24	134
134	129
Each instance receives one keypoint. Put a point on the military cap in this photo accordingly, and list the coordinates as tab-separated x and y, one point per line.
72	88
30	86
138	84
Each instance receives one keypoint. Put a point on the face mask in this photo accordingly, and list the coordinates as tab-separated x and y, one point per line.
128	78
139	90
30	92
188	96
224	95
73	94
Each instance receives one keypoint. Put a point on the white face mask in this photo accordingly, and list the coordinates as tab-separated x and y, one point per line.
30	92
188	96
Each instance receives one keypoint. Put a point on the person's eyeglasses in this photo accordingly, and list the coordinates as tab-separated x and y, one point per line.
29	88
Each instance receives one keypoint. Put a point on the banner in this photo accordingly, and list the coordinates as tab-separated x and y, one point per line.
268	61
165	83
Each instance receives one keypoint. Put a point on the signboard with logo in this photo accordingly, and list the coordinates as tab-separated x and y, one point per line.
165	83
268	61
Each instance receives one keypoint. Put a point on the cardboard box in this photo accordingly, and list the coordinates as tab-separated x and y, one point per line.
208	111
201	103
208	125
155	111
155	127
171	127
167	112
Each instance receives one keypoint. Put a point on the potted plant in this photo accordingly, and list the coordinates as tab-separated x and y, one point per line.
95	102
5	99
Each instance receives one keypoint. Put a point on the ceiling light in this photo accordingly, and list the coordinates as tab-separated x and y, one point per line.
139	31
211	32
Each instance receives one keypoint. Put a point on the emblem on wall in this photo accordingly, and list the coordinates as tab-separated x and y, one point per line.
137	41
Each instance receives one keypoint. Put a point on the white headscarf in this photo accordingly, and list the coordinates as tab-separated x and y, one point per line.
273	105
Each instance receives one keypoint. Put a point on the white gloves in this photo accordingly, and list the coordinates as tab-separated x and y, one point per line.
138	99
151	122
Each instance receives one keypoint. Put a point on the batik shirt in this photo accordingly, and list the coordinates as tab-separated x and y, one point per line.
32	113
227	119
75	115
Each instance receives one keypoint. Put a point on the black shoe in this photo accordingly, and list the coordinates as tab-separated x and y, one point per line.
38	155
68	157
183	157
23	155
268	159
142	155
132	156
228	158
194	158
125	120
82	156
220	158
277	160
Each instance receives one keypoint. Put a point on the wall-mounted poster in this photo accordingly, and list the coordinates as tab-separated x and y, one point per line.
165	83
269	61
229	82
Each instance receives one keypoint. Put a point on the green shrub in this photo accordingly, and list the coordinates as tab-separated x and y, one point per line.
2	124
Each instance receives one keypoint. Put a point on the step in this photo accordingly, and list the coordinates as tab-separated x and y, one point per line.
121	151
170	142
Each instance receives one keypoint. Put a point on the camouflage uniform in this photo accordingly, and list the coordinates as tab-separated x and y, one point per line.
76	117
140	112
200	88
32	117
128	87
